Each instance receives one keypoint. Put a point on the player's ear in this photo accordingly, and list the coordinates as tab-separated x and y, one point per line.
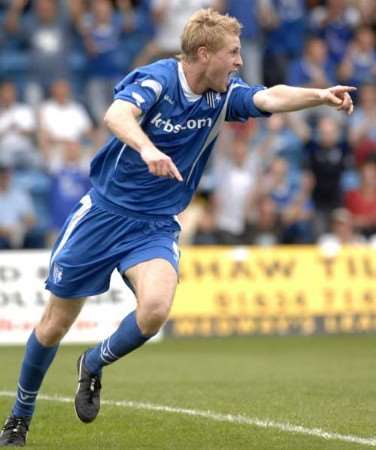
203	54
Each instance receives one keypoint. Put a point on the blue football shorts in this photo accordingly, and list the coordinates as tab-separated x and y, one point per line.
93	242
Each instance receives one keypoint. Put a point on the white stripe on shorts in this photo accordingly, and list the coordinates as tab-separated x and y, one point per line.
78	215
176	218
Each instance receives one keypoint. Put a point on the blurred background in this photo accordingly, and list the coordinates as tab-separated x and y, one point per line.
301	178
272	187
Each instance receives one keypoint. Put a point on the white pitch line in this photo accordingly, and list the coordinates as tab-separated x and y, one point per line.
217	417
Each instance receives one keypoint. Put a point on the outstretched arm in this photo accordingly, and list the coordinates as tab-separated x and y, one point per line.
282	98
122	119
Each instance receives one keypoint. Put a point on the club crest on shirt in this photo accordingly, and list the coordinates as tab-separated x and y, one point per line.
168	99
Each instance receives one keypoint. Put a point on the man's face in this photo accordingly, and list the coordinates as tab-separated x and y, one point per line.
7	94
4	179
328	132
46	10
61	91
222	63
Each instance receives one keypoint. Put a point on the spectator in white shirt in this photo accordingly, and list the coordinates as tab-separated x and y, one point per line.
235	177
61	120
17	129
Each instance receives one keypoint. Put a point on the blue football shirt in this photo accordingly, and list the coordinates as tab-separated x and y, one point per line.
181	124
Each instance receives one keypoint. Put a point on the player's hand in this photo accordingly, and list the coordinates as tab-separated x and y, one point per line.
160	164
339	97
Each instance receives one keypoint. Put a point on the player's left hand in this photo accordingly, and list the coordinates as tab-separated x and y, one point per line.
339	97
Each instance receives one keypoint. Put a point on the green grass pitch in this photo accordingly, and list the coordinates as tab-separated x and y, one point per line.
324	382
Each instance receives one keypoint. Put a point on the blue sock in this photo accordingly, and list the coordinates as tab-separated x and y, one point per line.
126	338
35	364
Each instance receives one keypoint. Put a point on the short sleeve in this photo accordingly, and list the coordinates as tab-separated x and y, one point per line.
141	89
240	104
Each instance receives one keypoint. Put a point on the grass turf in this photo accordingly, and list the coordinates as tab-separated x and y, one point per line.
324	382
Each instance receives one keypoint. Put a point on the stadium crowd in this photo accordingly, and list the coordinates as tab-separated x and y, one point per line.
295	178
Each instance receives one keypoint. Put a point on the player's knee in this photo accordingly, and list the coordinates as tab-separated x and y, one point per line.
48	335
50	331
152	315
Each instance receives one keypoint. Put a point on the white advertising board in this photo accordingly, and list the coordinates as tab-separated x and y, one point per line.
23	298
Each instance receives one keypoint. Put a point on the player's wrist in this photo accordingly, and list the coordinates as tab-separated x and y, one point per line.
321	95
146	148
146	151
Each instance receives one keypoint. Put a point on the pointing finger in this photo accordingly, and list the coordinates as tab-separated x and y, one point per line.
350	105
175	172
341	88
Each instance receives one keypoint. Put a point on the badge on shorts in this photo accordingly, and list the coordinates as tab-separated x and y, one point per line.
57	273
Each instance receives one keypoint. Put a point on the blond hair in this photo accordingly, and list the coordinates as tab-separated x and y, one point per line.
206	28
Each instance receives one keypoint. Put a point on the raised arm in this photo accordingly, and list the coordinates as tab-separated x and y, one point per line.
282	98
122	119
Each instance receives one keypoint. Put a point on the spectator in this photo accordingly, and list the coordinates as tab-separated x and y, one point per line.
101	31
292	199
314	69
46	32
362	133
342	231
16	212
235	180
361	202
265	226
359	64
68	184
335	23
284	25
298	214
17	129
13	58
205	232
61	119
139	28
282	135
367	9
189	219
170	16
278	185
327	157
248	14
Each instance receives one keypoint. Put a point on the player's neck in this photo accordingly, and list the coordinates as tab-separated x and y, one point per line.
195	77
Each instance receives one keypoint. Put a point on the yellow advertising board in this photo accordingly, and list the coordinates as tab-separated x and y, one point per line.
275	289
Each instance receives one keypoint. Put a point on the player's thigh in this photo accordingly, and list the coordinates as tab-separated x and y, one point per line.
154	282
